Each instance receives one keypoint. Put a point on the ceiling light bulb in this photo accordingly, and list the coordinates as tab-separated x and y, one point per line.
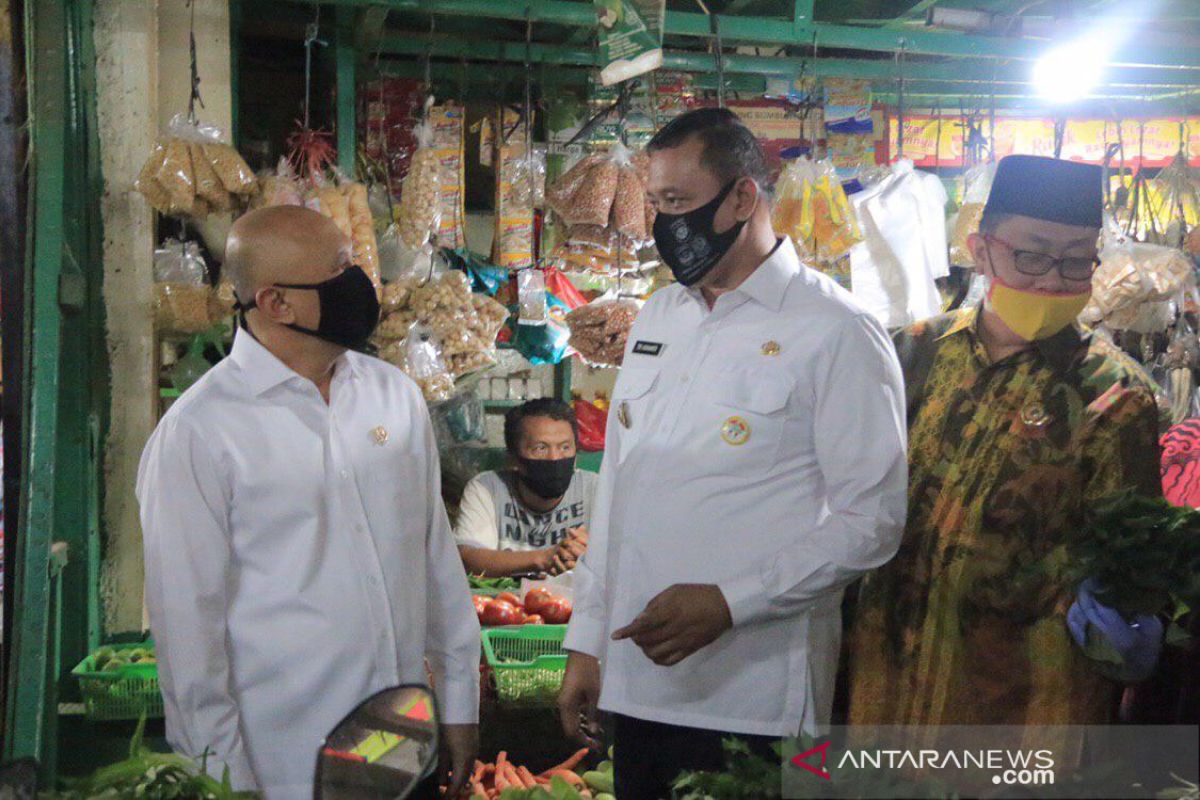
1070	72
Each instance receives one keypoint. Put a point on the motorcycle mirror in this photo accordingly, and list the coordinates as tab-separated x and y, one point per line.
382	750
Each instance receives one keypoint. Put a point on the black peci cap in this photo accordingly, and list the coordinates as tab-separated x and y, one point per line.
1049	189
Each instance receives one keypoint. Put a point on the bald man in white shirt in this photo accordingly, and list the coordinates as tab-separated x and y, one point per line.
298	555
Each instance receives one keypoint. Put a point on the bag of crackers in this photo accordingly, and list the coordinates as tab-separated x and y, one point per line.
600	329
192	173
181	289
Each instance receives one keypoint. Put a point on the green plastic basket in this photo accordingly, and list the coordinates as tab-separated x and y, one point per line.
126	693
527	662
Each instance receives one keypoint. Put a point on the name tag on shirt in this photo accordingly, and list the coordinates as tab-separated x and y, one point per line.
645	348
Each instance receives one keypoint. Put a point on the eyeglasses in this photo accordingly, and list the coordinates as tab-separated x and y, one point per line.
1028	262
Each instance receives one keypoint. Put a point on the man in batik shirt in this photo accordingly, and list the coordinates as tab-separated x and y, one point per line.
1018	424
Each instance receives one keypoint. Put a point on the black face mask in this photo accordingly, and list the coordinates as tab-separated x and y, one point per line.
349	308
687	242
547	479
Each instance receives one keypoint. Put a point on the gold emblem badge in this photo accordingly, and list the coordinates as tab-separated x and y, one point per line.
623	414
1035	415
735	431
380	435
771	348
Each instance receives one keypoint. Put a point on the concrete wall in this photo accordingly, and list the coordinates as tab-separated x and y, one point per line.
143	80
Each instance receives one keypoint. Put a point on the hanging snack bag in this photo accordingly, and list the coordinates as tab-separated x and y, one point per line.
362	230
447	123
513	245
600	330
191	172
279	188
423	363
977	183
181	290
419	213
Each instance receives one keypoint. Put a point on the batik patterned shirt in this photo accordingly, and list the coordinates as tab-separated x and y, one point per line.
967	625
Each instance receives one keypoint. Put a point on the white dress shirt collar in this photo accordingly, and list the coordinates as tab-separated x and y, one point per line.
262	370
768	284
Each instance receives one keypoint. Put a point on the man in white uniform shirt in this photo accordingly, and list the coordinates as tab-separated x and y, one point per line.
755	466
298	556
532	517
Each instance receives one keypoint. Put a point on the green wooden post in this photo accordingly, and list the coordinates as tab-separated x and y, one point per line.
29	723
344	58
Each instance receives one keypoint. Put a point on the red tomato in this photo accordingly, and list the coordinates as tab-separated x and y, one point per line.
509	597
480	602
536	599
500	612
557	611
534	619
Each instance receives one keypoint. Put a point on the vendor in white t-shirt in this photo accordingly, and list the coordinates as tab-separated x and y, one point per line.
532	517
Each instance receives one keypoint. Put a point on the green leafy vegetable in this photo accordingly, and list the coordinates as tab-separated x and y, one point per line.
1143	552
154	776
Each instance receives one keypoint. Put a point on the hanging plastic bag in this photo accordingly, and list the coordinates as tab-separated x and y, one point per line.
423	362
419	213
593	425
977	183
600	330
812	208
464	417
192	173
531	291
181	289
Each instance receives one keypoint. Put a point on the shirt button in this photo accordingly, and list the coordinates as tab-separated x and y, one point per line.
345	474
684	379
373	580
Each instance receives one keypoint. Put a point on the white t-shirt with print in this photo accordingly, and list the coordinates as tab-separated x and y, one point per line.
490	517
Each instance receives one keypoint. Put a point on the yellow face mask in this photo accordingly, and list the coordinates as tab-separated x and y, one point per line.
1035	315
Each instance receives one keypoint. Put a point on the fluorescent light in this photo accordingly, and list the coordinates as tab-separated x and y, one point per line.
1070	72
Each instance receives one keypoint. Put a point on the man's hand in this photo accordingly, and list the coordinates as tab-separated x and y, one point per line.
1138	642
569	550
578	698
678	622
460	746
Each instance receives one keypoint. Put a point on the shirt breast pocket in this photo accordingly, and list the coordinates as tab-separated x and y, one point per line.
631	404
744	424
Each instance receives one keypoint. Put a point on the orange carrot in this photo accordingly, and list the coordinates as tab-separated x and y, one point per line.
514	777
526	778
477	791
501	760
571	763
566	775
477	775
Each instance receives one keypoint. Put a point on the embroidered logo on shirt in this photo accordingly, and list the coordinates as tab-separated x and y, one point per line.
645	348
1035	415
771	348
379	435
735	431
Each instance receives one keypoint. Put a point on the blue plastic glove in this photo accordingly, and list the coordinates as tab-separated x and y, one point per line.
1138	643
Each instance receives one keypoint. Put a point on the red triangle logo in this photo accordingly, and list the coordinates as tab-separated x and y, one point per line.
801	761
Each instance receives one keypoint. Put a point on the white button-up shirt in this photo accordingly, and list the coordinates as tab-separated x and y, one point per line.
298	559
759	446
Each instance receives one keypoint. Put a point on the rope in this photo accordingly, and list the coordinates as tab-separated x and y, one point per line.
900	101
715	24
194	66
429	55
311	31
